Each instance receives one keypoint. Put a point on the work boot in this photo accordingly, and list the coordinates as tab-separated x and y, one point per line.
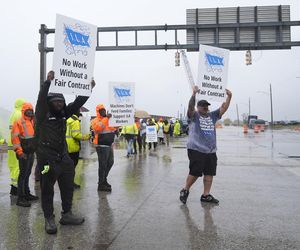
13	190
70	219
107	184
30	197
22	202
50	225
104	187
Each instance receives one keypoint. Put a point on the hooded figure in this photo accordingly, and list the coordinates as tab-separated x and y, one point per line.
22	137
177	128
12	160
51	116
103	140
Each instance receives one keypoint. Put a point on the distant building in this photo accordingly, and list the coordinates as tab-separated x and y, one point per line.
164	117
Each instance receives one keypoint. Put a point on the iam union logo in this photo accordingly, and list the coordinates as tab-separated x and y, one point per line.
214	61
77	39
122	94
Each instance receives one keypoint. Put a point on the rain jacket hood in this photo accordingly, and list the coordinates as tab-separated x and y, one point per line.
98	108
25	107
18	103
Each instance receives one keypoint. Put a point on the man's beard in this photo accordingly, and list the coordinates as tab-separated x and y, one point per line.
56	112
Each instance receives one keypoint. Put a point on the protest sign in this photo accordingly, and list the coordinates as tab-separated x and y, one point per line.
151	134
74	56
212	73
121	103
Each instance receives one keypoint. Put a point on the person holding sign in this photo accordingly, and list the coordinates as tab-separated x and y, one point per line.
103	140
202	145
153	131
51	115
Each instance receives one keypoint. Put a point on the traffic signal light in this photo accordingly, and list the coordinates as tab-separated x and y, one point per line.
248	57
177	59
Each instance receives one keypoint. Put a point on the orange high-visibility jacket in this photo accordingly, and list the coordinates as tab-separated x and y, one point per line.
22	131
104	134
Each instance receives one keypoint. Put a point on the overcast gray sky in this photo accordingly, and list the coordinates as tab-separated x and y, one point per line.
161	88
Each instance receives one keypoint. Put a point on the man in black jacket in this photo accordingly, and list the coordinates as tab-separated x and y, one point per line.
51	115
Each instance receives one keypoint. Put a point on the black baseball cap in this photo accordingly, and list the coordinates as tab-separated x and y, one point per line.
203	103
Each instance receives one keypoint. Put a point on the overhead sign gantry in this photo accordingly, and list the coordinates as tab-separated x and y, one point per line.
236	28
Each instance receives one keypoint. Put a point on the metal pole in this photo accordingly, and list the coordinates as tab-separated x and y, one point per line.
249	107
237	113
43	53
271	106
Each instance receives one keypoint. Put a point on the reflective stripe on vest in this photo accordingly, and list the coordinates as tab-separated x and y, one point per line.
14	135
15	146
101	125
27	136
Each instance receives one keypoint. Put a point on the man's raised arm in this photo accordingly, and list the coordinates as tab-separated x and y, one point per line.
226	104
192	102
79	101
41	106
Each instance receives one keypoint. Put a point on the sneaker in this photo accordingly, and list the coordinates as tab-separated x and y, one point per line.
184	194
76	186
103	187
22	202
70	219
13	190
209	198
50	225
30	197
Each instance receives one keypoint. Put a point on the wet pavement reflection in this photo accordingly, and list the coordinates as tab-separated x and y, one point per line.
259	200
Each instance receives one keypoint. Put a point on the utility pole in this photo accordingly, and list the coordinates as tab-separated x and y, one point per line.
271	106
237	113
249	107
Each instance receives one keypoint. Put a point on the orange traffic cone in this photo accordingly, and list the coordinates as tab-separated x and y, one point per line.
219	125
262	128
256	129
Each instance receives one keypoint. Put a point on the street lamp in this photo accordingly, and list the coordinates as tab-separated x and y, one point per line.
271	103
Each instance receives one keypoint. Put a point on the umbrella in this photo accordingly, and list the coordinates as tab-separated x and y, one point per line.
141	114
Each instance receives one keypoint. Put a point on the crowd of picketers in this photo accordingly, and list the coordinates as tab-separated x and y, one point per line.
135	134
52	135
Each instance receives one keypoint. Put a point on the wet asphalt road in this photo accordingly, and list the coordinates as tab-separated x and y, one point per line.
257	183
